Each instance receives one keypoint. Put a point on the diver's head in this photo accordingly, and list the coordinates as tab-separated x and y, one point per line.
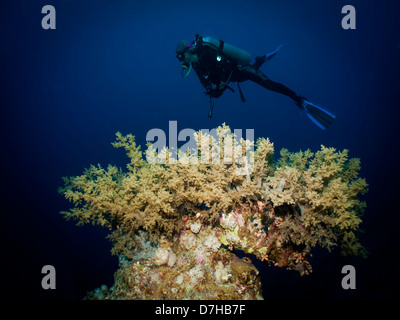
181	49
183	52
186	56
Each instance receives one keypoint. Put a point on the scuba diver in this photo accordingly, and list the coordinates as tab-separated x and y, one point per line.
217	64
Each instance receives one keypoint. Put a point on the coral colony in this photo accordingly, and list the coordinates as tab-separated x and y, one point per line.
176	223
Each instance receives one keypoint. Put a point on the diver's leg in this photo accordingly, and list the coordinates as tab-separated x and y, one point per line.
249	73
321	117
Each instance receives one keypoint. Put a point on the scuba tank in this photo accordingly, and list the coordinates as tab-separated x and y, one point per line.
240	55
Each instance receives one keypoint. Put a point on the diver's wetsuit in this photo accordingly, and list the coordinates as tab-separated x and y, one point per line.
215	70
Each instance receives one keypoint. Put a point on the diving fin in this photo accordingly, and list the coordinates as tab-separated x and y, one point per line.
321	117
262	59
273	53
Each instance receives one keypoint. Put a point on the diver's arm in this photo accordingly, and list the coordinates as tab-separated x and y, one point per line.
211	90
214	93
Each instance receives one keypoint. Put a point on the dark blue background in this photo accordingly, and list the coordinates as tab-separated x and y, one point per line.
110	66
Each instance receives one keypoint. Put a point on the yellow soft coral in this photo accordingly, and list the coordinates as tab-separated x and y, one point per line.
324	186
308	198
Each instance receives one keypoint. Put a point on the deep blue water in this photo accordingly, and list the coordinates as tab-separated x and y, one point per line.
110	66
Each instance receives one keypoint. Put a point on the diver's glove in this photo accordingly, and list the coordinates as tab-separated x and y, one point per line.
213	93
